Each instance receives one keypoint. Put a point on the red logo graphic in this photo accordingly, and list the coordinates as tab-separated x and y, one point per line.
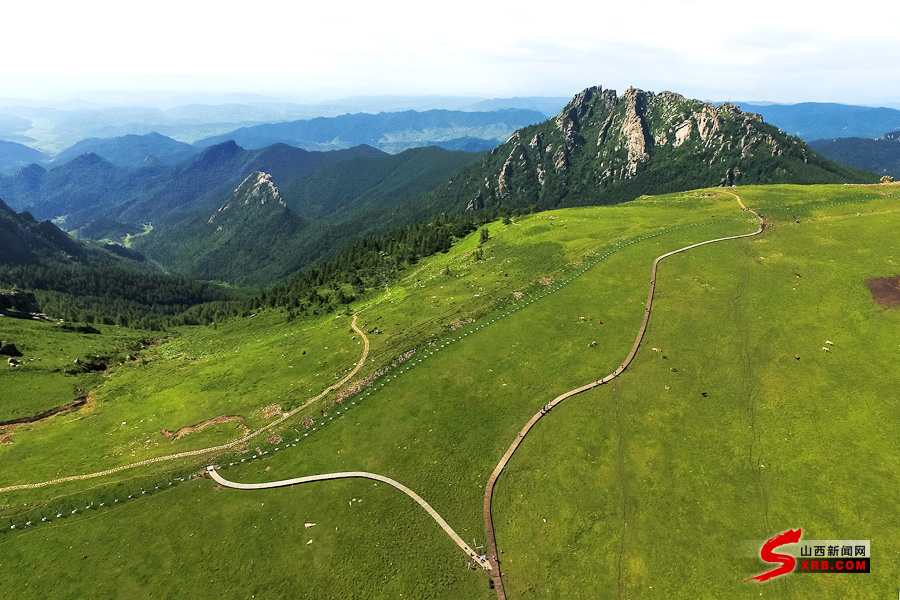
788	562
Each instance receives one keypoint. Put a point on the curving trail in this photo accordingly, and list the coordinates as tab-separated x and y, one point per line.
491	562
489	488
236	442
353	474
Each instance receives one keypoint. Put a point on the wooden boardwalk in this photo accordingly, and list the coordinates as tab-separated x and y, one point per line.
356	474
493	555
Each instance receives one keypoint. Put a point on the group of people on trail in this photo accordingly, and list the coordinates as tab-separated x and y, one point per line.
482	559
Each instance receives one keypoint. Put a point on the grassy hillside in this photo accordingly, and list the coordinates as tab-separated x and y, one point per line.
626	487
60	362
685	483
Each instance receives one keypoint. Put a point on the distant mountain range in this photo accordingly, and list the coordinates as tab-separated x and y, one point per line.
343	193
14	155
90	188
391	132
139	136
53	127
604	148
468	131
822	120
881	155
255	215
549	106
130	150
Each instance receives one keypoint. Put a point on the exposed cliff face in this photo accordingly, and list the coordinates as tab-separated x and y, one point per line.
255	190
604	147
247	240
634	129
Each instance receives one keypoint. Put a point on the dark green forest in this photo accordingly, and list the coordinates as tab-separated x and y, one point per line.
103	288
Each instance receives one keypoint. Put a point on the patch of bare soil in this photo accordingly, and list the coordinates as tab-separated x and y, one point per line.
881	184
177	435
358	386
463	322
77	403
273	410
368	381
885	290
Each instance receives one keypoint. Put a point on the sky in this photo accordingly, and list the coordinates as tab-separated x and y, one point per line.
768	50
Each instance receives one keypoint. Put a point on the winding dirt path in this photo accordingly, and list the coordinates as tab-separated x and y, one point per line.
201	451
489	488
356	474
491	563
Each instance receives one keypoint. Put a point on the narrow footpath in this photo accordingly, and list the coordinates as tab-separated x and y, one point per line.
221	447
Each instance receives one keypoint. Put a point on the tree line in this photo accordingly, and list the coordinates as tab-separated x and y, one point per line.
373	263
116	294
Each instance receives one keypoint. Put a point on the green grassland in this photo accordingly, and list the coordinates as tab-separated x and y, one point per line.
49	375
628	490
680	484
242	365
236	368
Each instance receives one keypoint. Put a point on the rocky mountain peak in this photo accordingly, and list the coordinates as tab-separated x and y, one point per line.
259	186
619	146
256	190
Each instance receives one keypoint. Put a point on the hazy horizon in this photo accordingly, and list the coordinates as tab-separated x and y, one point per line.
170	98
775	51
